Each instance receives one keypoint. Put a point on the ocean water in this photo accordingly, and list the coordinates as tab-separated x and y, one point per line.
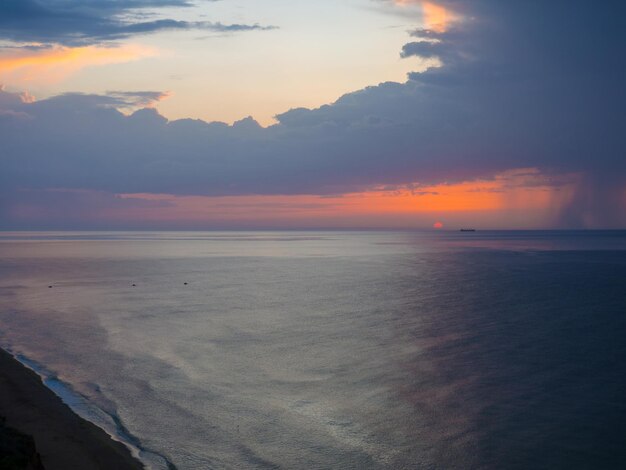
320	350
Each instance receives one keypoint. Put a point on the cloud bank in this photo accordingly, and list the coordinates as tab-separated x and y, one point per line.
522	85
81	23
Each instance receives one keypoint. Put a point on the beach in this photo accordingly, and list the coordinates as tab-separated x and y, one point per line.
62	439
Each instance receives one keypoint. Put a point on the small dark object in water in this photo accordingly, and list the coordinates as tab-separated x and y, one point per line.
468	230
49	287
134	285
185	283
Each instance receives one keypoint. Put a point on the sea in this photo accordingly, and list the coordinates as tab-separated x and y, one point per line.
329	349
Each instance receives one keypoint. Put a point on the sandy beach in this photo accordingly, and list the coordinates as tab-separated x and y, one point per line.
62	439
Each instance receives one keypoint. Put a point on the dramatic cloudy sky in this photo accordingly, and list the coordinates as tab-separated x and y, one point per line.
288	113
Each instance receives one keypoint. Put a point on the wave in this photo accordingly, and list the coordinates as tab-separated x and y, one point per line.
109	422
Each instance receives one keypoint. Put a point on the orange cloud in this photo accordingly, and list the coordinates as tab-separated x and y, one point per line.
518	198
435	17
55	64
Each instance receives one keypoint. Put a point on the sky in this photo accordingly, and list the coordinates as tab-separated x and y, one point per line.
267	114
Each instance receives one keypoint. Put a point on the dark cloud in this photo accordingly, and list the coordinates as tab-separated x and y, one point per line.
134	99
10	114
424	49
77	22
524	84
58	208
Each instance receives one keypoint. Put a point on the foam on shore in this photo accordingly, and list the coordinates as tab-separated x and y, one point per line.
83	409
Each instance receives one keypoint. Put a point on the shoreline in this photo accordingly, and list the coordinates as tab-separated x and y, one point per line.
62	438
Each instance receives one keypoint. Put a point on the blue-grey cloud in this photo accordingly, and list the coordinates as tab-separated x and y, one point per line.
424	49
76	22
522	85
135	99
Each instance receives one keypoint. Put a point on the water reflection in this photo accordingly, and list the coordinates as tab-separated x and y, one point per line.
335	350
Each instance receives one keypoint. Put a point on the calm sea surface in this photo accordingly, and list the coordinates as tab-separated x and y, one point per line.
319	350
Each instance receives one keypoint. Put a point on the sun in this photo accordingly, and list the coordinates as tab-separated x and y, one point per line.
438	225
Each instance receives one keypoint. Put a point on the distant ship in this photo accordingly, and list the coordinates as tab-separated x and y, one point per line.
468	230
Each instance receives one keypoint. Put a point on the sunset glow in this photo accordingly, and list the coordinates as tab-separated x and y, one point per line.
484	203
369	234
396	113
47	66
523	190
436	17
